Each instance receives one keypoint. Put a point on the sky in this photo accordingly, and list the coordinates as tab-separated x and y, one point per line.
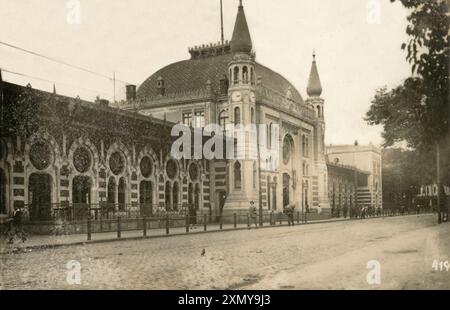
357	43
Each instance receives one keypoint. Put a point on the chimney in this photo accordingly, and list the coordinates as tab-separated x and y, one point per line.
131	92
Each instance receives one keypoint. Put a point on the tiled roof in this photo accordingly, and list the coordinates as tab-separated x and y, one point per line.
188	75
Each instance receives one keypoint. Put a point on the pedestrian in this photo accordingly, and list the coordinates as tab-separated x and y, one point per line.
289	211
192	216
253	213
223	199
345	211
16	227
363	213
319	210
443	208
291	214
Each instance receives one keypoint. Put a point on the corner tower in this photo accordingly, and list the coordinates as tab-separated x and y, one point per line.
314	91
243	181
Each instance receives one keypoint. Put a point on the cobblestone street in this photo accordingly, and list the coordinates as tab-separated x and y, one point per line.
320	256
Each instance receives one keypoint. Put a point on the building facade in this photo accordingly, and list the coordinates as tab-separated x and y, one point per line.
366	158
344	187
61	154
224	84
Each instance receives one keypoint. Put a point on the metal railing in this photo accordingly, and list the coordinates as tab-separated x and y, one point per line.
81	211
170	224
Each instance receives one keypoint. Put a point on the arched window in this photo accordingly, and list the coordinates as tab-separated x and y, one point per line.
82	160
40	155
176	193
237	116
146	167
236	75
319	113
288	147
223	120
245	75
237	176
121	194
117	163
112	190
168	195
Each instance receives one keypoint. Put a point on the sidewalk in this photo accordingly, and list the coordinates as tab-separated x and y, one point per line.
44	242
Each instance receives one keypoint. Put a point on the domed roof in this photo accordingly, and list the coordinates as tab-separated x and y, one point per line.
193	74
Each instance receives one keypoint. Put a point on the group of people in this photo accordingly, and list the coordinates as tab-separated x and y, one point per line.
289	210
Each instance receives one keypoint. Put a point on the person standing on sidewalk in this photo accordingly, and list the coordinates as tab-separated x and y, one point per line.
289	211
16	227
253	214
443	208
192	216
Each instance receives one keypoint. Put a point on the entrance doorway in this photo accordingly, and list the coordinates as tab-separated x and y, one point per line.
197	197
40	197
81	196
146	198
81	190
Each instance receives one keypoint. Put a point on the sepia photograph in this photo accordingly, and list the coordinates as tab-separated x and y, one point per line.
224	146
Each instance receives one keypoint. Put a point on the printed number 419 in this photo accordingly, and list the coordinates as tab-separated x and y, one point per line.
441	266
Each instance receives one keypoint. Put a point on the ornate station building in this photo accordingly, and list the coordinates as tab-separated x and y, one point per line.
58	152
224	84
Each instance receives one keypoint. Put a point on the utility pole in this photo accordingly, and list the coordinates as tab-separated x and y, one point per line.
114	87
222	37
1	105
438	176
259	170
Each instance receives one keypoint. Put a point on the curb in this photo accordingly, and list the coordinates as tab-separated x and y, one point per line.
19	250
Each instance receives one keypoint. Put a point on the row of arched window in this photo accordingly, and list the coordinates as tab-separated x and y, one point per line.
246	77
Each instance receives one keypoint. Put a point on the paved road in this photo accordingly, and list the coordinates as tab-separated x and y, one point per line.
325	256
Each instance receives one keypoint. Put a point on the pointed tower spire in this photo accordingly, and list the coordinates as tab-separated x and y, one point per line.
314	86
241	41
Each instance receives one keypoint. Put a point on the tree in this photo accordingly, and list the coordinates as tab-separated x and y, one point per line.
417	111
404	171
